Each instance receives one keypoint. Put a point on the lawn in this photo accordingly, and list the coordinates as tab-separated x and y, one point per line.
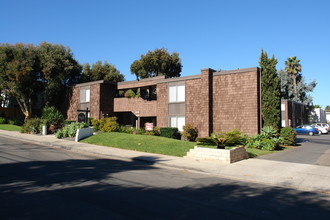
9	127
144	143
152	144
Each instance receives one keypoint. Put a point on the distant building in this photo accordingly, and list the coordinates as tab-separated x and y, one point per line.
328	116
293	113
318	115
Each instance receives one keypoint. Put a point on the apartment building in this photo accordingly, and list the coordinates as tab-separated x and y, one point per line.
212	101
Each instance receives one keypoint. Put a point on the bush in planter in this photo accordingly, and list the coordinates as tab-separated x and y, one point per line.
129	94
169	132
223	139
288	135
190	132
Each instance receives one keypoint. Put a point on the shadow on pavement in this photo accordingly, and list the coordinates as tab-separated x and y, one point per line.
85	189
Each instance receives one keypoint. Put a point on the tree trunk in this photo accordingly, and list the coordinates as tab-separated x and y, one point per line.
25	108
294	78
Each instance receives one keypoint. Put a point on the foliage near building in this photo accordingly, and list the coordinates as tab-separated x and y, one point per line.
190	132
271	93
30	72
288	135
293	84
101	71
157	63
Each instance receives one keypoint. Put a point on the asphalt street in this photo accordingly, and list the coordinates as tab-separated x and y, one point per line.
38	182
315	150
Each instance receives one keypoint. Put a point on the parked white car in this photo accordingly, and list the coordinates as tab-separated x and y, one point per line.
323	129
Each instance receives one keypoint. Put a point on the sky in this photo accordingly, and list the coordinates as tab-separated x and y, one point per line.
217	34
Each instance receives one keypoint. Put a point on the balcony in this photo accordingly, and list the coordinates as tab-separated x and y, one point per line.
138	106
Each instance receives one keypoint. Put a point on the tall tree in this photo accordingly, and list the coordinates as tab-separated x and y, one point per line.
327	108
28	71
19	74
271	93
293	68
58	71
101	71
156	63
303	88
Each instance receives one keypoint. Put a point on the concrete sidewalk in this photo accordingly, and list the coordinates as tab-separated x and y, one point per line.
290	175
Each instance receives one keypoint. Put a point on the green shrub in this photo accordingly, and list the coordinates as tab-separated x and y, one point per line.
169	132
288	135
126	129
268	132
52	117
3	120
156	131
67	122
190	132
267	144
121	93
59	134
223	139
70	130
139	131
129	94
206	141
109	124
234	137
90	121
32	126
14	121
259	142
96	124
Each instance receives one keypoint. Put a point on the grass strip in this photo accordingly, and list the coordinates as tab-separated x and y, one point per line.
144	143
9	127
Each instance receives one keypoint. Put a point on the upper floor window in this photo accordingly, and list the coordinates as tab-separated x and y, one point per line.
177	93
85	95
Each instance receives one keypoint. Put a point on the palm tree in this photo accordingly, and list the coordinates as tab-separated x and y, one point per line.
293	68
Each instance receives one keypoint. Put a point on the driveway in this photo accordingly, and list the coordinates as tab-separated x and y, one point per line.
314	150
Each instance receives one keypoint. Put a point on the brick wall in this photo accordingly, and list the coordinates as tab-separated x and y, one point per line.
162	105
226	156
95	111
74	101
134	105
198	103
236	101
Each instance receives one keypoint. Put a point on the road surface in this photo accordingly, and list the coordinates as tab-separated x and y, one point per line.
313	150
38	182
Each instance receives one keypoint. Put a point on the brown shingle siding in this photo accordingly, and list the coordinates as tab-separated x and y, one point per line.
214	101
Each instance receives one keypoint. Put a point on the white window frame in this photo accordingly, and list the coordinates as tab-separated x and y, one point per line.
85	95
177	93
174	122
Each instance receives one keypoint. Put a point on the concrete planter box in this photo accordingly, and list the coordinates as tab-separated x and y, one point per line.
226	156
83	133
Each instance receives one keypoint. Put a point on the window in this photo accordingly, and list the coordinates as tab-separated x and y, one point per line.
177	122
177	93
85	95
